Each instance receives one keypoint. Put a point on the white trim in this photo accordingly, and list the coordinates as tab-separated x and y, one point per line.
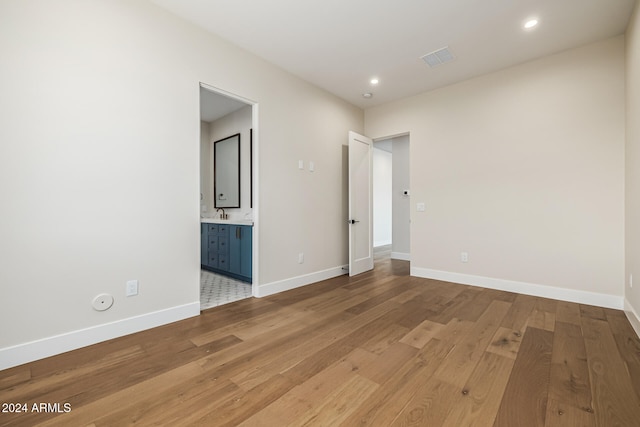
255	248
395	135
633	317
378	243
223	92
296	282
401	255
564	294
50	346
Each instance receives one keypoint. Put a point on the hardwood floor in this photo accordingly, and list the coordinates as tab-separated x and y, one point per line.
380	349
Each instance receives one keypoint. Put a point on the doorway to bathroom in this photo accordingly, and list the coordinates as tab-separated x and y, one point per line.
228	208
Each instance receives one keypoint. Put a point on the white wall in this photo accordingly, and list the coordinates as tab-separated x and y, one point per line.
401	247
524	170
632	236
206	180
105	188
237	122
382	183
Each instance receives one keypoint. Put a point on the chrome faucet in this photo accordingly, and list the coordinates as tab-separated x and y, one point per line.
224	215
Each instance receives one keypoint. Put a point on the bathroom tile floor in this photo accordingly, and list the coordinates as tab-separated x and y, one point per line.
216	290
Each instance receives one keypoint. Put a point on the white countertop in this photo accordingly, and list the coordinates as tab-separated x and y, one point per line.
227	221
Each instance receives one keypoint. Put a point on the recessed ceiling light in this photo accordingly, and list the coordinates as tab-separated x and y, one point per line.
374	81
530	24
367	95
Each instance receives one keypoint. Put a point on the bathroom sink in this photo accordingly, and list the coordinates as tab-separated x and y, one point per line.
227	221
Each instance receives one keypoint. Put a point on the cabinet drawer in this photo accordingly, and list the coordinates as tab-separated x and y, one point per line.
223	243
213	259
223	229
212	228
213	242
223	262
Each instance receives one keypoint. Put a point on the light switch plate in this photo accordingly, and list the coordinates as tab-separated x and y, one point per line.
420	207
132	288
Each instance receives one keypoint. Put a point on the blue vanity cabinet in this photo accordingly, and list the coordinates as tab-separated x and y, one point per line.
223	247
226	249
212	249
214	246
204	245
240	245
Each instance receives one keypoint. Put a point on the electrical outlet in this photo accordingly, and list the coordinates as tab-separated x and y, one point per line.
132	288
300	257
464	257
631	280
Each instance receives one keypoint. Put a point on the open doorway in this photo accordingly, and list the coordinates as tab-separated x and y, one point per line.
391	198
228	208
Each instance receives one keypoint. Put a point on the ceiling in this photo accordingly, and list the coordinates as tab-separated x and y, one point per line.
339	45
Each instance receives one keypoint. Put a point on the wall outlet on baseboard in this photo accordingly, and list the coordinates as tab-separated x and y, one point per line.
464	257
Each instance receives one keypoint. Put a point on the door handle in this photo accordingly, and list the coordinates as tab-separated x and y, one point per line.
352	221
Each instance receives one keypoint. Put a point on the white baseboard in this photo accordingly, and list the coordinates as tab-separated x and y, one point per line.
564	294
401	255
296	282
50	346
633	317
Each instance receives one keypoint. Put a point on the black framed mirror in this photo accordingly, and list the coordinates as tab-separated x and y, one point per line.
226	172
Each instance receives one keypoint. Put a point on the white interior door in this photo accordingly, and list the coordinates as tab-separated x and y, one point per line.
360	204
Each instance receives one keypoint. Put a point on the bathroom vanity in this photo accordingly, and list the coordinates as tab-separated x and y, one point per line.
225	247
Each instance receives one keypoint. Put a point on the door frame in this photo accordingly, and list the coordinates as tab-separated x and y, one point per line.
404	256
255	190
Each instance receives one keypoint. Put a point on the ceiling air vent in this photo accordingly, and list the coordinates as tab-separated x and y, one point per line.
438	57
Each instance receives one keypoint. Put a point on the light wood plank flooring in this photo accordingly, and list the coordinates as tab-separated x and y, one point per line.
380	349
